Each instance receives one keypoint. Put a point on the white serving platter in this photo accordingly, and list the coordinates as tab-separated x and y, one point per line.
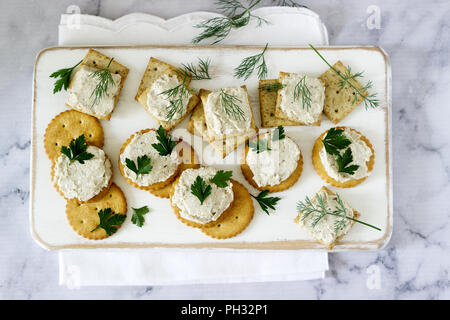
372	198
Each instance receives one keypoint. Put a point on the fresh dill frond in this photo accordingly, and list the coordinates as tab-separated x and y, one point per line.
288	3
105	79
271	87
302	90
237	16
200	72
370	100
176	95
248	65
319	210
230	104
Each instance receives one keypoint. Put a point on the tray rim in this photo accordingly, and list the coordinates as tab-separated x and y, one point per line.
269	245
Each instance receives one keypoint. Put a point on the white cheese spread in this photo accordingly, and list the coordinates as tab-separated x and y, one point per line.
271	167
80	95
83	181
324	230
361	154
294	108
219	122
213	206
158	103
163	166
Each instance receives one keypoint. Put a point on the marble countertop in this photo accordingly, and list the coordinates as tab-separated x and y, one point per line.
416	262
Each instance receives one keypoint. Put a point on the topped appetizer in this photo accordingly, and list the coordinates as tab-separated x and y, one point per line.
343	157
165	93
96	85
272	161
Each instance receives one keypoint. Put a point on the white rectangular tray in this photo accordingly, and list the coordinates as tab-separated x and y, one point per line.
373	198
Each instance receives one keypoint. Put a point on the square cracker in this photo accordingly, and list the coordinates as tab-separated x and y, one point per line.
197	126
356	215
154	70
267	104
280	114
253	129
339	102
95	59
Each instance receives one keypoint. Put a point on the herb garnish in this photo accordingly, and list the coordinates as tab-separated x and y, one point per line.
278	134
289	3
109	221
271	87
138	215
266	202
64	78
335	141
302	90
77	150
230	104
105	79
259	146
166	144
370	100
344	160
221	178
176	96
200	189
319	211
143	165
198	73
246	67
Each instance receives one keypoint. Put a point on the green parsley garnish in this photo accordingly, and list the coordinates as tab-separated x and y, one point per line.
138	215
143	165
64	78
259	146
266	202
221	178
335	141
278	134
271	87
200	189
166	144
109	221
77	150
343	161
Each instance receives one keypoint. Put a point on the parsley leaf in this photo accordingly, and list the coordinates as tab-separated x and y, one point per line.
200	189
344	161
259	146
77	150
278	134
109	221
64	78
166	144
221	178
143	165
266	202
138	215
335	141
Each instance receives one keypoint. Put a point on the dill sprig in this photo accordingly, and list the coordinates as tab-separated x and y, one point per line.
198	73
370	100
288	3
248	65
271	87
218	28
319	210
302	90
105	79
230	104
176	95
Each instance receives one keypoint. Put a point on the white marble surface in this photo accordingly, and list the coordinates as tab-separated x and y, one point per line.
415	264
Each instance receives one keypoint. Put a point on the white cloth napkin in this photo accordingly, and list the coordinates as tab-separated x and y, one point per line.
286	27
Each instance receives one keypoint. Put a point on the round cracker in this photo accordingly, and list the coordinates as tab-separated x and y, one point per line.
98	196
83	217
69	125
193	224
320	169
285	184
190	161
158	185
237	219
